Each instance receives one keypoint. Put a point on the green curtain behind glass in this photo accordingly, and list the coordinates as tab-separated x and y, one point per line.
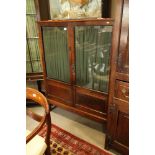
33	63
56	53
92	56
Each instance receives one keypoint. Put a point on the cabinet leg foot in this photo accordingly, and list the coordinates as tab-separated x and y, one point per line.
52	107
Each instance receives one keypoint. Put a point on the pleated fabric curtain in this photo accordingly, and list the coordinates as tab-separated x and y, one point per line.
28	63
33	63
56	53
92	48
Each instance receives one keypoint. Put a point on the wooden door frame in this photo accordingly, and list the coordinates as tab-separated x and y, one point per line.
70	24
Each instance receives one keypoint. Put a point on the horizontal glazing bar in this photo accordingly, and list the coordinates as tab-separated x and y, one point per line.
31	14
32	37
33	60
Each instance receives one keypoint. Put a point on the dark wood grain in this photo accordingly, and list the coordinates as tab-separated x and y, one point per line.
122	131
98	21
106	9
34	76
42	56
123	55
90	102
122	76
64	93
59	91
114	48
71	47
43	8
93	101
84	113
122	105
39	98
117	136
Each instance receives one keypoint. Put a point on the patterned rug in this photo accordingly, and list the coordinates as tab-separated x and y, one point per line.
64	143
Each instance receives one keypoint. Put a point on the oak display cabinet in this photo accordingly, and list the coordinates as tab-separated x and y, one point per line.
86	65
76	64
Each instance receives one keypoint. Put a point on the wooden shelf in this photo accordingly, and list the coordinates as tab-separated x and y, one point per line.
34	76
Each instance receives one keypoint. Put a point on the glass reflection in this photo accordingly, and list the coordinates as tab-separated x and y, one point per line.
92	56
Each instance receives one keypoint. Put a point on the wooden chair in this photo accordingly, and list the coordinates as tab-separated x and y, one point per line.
39	98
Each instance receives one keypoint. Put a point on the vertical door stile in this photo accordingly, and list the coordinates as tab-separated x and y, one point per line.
71	59
42	55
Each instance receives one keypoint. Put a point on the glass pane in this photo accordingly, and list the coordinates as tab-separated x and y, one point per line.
92	56
75	9
36	66
30	7
28	67
34	49
27	52
56	53
31	26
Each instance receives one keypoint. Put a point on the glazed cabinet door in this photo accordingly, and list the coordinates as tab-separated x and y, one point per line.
57	64
92	53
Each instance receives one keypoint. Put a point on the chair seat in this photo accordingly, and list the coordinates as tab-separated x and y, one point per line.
36	146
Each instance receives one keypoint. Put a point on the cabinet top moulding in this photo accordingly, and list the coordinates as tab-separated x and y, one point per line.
96	21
